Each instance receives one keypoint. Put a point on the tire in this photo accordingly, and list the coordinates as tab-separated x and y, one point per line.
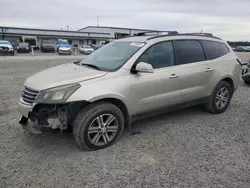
88	117
247	82
211	105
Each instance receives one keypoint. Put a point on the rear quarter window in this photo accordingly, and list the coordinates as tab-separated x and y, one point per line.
215	49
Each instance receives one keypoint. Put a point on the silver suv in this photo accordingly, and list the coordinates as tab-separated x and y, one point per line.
104	92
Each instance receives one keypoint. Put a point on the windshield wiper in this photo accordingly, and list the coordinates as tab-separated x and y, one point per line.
90	65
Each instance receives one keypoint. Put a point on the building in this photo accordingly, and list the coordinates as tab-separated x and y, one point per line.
116	32
87	35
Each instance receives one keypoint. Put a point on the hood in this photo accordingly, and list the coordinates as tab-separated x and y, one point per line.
89	49
65	48
62	75
6	45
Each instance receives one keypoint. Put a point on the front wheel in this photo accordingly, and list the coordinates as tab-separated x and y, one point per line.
98	126
220	98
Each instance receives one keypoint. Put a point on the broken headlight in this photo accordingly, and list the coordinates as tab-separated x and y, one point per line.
57	95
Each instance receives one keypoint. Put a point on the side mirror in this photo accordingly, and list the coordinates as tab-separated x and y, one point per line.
144	67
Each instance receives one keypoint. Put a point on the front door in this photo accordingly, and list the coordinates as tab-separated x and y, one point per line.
159	89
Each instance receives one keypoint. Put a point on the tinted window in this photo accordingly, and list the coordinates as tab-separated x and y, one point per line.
215	49
47	42
188	51
23	44
159	55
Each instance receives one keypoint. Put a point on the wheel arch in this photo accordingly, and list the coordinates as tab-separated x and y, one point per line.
120	104
230	81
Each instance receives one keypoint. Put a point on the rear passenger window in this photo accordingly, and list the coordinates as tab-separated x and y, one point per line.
188	51
215	49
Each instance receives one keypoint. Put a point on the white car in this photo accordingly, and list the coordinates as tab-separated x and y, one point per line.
128	79
65	49
86	49
6	47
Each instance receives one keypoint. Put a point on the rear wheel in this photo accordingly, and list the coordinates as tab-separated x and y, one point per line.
220	98
98	126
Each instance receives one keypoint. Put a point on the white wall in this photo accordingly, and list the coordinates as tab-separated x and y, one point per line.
34	32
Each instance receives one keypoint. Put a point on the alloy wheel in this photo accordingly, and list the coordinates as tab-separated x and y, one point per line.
222	97
103	129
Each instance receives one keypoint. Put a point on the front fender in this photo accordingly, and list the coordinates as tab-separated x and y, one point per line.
95	94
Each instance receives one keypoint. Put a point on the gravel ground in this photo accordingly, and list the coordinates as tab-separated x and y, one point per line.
186	148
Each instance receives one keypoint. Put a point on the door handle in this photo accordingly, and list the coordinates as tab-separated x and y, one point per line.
174	76
209	69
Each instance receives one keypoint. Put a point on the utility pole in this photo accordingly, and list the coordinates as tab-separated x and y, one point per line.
97	21
67	27
2	32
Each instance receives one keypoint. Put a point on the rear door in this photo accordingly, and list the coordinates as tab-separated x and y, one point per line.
221	61
193	70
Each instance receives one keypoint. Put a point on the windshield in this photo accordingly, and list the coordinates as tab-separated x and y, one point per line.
23	44
47	42
64	45
113	55
5	42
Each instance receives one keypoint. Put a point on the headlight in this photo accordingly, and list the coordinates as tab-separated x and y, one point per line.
58	94
27	48
17	48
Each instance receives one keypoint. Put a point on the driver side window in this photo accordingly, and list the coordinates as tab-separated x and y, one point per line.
159	55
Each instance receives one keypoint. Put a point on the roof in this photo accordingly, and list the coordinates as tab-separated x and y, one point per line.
107	27
35	29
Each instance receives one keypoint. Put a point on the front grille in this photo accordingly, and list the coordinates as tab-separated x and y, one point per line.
29	95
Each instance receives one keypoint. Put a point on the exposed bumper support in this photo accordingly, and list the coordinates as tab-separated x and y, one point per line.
29	126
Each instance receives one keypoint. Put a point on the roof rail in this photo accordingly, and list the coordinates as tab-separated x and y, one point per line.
201	34
156	33
175	33
205	34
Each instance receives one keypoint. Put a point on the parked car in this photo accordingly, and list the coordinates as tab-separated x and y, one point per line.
247	48
96	46
240	49
86	49
65	49
23	47
107	90
47	46
246	73
6	48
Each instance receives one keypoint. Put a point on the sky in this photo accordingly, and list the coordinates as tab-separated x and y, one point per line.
228	19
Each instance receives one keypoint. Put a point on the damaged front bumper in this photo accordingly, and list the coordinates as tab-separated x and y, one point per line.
35	119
